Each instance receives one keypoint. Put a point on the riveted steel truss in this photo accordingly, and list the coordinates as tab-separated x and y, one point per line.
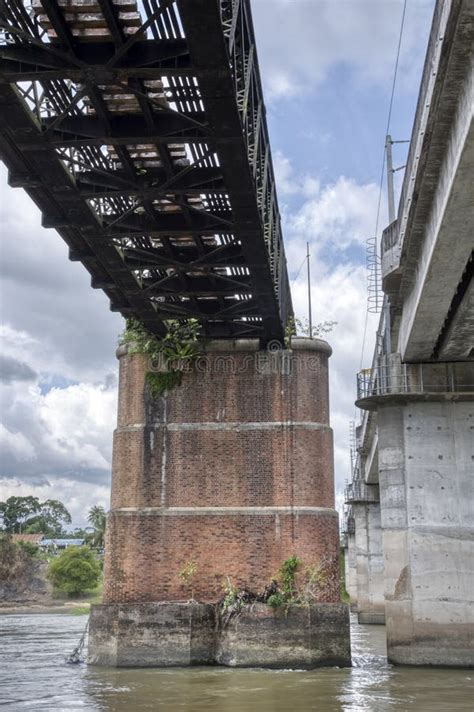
139	131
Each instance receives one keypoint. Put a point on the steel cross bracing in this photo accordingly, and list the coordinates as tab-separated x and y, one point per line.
139	131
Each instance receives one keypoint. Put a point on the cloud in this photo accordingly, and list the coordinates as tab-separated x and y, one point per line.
58	383
77	498
300	42
15	445
334	219
65	432
48	300
289	182
12	370
339	214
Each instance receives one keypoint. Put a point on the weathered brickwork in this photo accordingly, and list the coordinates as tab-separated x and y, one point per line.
245	429
148	550
197	468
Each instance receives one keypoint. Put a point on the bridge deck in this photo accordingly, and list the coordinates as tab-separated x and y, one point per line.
139	131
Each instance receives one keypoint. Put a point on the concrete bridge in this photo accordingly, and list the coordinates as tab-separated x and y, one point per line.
139	131
409	524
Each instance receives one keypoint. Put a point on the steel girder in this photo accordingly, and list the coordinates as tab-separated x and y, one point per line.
142	138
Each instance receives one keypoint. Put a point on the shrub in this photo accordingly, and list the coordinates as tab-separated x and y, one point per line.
287	576
29	548
187	575
75	571
276	600
231	593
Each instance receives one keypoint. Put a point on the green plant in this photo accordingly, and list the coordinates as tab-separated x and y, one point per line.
29	548
75	570
322	327
168	355
290	330
80	611
98	518
276	600
187	575
287	576
231	594
160	381
301	327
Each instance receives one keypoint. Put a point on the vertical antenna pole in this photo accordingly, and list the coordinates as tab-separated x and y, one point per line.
310	317
390	191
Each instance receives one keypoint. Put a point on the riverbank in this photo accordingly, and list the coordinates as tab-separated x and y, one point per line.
74	608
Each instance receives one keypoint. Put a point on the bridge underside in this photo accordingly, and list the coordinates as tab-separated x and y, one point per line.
141	137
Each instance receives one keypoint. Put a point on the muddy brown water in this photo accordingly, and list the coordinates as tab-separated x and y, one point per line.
34	676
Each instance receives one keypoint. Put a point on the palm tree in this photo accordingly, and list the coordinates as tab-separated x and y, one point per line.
97	517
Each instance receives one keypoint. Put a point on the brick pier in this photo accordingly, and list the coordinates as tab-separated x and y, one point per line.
232	470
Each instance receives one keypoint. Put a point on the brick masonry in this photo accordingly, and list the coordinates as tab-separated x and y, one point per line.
232	469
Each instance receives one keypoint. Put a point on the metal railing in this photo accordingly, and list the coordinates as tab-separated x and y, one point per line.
360	492
390	236
414	378
348	527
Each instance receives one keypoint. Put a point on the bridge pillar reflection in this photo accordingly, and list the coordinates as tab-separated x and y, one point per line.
226	475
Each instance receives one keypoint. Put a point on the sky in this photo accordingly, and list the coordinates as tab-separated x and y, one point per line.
327	69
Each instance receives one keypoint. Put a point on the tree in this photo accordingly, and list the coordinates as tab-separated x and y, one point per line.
53	514
27	515
16	512
98	518
75	571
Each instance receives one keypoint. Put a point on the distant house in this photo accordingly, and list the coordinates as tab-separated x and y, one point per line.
36	539
60	543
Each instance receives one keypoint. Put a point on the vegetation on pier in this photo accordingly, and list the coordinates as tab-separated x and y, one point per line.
169	355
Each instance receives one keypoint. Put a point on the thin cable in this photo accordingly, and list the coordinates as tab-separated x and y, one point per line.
379	203
387	130
363	339
298	273
389	117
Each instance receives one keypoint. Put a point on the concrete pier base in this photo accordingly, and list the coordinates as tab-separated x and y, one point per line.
369	563
298	637
426	460
183	634
151	634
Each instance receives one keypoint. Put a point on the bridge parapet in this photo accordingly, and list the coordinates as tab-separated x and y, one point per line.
359	492
390	377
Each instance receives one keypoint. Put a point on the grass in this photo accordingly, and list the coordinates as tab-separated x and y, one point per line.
83	600
80	610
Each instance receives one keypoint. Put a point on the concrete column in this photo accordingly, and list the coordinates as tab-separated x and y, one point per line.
426	461
351	570
369	563
231	471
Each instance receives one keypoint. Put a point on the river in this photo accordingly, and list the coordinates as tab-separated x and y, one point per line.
34	676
